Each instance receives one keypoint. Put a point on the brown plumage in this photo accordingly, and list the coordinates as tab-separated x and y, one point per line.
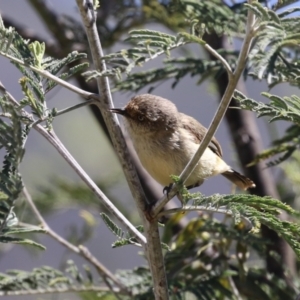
165	140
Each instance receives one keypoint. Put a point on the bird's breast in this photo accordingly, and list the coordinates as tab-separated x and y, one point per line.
168	155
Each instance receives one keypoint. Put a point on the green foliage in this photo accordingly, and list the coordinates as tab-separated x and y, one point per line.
275	55
279	108
259	210
150	44
248	208
34	86
12	139
208	258
46	279
13	136
38	51
28	58
175	69
124	238
215	15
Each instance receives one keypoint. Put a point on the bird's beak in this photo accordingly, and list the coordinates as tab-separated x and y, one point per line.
120	111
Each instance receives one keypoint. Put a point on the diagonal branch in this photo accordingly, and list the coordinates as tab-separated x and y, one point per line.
219	115
248	142
102	270
51	137
62	47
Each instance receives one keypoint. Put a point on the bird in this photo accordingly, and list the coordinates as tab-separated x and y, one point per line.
165	140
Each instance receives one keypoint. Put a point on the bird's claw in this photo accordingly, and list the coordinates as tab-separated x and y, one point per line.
167	189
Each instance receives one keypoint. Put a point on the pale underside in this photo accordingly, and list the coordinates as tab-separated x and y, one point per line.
163	157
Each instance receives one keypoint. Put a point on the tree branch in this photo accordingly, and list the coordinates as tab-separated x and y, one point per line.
82	251
219	115
151	190
72	289
51	137
248	143
152	247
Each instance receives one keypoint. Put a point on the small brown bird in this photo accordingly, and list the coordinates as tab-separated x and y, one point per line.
165	140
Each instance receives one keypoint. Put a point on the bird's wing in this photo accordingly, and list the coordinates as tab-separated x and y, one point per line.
198	131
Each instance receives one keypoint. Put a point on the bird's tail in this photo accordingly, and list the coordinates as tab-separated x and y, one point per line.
238	179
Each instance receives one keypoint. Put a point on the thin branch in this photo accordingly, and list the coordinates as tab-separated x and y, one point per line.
61	149
83	251
6	115
153	248
220	58
53	139
45	226
66	110
88	17
44	73
72	289
97	264
232	82
221	210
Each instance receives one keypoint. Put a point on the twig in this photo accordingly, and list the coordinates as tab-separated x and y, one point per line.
232	82
103	271
85	177
221	210
66	110
44	73
220	58
153	248
71	289
54	140
6	115
45	226
97	264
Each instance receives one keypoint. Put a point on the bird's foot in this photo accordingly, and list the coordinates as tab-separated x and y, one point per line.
167	189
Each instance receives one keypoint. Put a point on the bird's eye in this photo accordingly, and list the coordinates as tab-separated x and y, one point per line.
141	118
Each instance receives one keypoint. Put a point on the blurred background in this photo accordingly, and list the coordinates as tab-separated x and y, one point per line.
49	178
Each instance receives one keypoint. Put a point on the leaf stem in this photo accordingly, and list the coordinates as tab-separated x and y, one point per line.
189	208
